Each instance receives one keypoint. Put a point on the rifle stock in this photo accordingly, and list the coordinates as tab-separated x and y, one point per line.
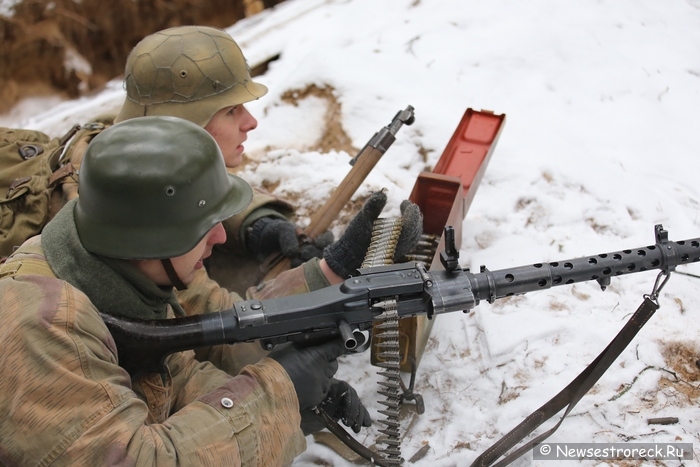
362	165
349	309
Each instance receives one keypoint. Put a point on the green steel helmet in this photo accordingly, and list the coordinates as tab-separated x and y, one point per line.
190	72
152	187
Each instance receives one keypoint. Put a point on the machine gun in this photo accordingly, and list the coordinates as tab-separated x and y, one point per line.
378	297
349	309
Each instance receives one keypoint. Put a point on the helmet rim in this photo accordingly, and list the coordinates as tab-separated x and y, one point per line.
199	112
136	242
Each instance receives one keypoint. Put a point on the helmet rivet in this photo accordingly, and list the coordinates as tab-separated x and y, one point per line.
169	190
202	203
216	84
183	73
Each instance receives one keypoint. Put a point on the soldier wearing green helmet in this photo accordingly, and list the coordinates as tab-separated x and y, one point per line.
154	192
132	208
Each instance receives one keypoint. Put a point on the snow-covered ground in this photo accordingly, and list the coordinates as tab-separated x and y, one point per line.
601	143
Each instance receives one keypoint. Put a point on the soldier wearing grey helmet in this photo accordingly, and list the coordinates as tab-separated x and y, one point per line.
154	192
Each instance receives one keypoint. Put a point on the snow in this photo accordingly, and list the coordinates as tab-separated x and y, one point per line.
7	7
600	144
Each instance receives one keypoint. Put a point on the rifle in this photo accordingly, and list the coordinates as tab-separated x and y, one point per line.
349	309
362	164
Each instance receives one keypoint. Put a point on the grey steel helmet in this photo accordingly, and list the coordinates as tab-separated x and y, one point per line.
152	187
190	72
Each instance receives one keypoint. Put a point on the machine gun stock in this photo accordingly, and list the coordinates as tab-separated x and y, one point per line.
349	309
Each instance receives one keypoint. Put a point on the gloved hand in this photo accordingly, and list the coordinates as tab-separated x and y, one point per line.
341	403
311	369
313	248
268	235
347	254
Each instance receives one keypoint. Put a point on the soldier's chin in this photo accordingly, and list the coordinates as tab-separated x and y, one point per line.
235	159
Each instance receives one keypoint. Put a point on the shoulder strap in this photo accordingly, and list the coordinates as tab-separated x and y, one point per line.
28	259
569	396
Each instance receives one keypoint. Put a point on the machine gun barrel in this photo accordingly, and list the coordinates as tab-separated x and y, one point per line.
348	309
664	255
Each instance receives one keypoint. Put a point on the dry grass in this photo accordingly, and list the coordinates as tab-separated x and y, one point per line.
682	359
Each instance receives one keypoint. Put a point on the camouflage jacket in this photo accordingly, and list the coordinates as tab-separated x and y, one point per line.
65	401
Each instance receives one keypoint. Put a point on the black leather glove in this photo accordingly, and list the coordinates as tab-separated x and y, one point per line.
341	403
269	235
347	254
311	369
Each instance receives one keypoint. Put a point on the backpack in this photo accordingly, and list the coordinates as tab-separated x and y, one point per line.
34	168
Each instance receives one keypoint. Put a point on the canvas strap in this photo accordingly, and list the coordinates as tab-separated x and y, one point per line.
27	265
572	393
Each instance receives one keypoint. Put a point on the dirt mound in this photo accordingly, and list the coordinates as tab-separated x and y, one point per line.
73	48
334	136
